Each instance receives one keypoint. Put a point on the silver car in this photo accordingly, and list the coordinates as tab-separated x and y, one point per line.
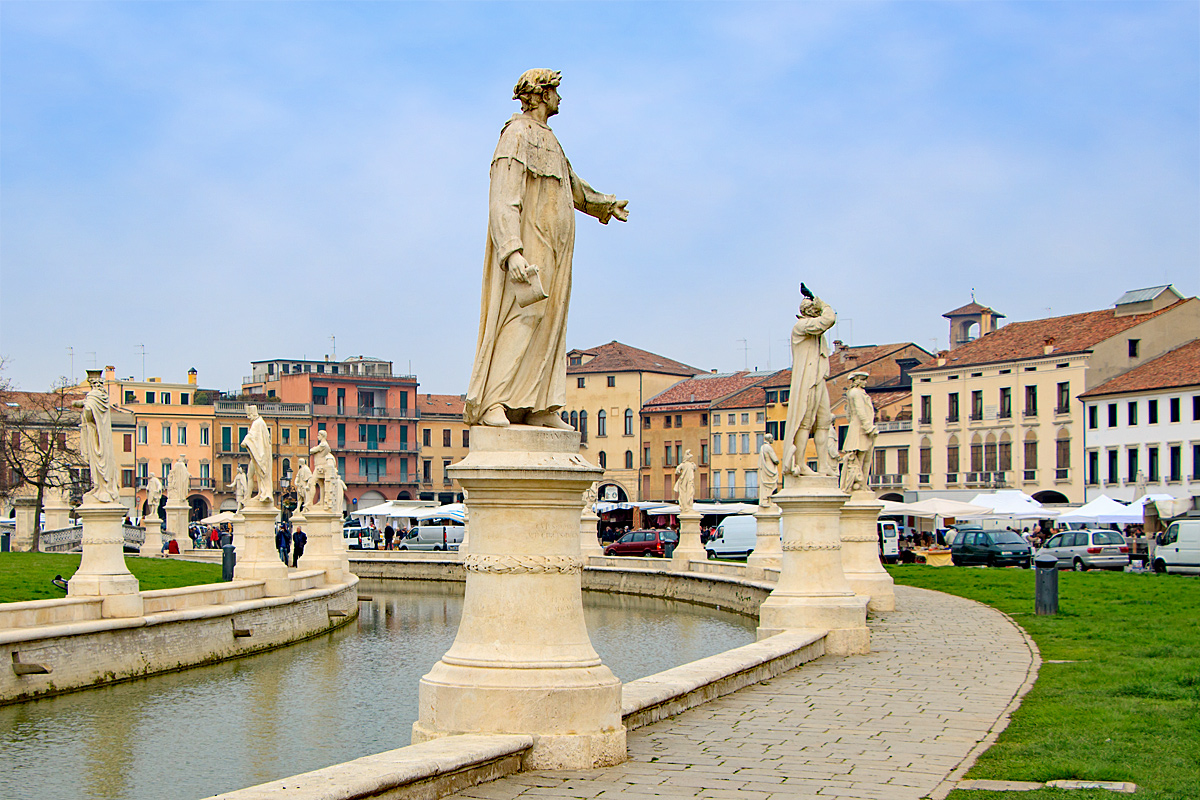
1088	549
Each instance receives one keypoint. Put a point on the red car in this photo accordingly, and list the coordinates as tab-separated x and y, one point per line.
644	543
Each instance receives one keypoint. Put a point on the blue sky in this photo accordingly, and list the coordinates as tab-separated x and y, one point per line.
225	182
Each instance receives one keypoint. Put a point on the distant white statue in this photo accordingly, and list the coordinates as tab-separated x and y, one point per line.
685	483
768	472
331	492
258	442
178	481
95	439
239	489
303	479
590	495
520	371
316	484
154	490
808	410
860	435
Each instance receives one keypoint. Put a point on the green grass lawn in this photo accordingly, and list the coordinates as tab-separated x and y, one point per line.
26	576
1126	707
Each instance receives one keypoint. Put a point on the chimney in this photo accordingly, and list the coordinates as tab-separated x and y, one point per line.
192	376
1048	347
110	373
838	344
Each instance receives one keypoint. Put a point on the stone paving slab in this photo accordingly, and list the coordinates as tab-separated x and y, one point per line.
903	722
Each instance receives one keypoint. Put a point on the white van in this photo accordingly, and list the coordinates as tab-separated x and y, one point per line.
433	537
357	537
889	541
735	537
1178	548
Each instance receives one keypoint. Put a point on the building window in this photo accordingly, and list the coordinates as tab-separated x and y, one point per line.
628	459
1196	408
579	382
1031	455
1152	412
678	420
1173	405
646	423
1093	417
226	439
977	405
226	474
902	461
166	434
751	483
667	421
583	432
646	456
1131	465
426	437
952	407
181	435
183	398
1112	415
746	419
426	471
1131	412
1093	476
731	441
1005	456
732	419
667	455
204	435
952	459
149	397
1176	464
320	396
341	436
745	443
285	435
603	460
1005	402
976	456
716	420
731	480
126	478
1113	476
446	437
703	419
629	422
602	423
772	397
1152	464
466	437
880	465
1031	401
704	453
612	381
1134	347
130	396
926	409
302	435
1064	398
716	445
989	455
758	442
205	475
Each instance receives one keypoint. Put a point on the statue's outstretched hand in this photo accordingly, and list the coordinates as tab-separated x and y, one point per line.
620	211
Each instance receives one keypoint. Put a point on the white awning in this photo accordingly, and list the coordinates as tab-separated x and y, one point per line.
1103	509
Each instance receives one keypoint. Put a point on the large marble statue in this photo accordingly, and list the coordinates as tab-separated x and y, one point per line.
154	490
519	374
860	435
768	472
178	481
239	490
685	483
258	442
808	410
303	479
95	439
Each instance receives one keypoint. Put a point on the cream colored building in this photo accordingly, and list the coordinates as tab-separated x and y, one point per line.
444	440
737	426
1002	410
606	388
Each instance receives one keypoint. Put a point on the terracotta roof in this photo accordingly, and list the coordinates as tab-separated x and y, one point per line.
883	399
840	363
440	403
700	391
754	397
1180	367
617	357
1074	333
971	308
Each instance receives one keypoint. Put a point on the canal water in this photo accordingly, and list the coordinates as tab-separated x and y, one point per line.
341	696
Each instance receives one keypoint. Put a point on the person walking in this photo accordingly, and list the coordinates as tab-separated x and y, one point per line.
299	539
389	533
283	542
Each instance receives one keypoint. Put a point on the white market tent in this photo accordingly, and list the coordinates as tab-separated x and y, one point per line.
1012	504
454	511
942	507
221	518
393	508
1103	509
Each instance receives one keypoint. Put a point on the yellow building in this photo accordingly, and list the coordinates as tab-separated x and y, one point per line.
1001	411
738	426
445	440
606	389
171	419
288	423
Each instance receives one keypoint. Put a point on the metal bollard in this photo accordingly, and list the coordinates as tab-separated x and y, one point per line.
228	560
4	542
1045	593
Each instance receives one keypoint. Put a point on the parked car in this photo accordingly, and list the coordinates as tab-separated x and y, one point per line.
644	543
889	541
994	548
433	537
735	537
1088	549
1178	548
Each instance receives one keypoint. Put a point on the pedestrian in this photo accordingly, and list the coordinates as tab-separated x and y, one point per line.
213	536
299	539
284	541
389	533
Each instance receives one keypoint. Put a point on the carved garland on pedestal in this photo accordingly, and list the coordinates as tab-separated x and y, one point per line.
517	565
805	547
859	537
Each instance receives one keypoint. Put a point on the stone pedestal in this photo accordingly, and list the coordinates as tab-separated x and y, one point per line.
323	549
102	571
767	552
177	525
860	552
57	508
589	542
522	661
26	524
257	556
690	548
812	591
154	539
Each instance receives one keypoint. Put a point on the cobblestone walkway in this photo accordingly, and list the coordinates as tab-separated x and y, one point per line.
890	725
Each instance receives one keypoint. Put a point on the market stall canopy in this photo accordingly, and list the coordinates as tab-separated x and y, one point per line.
1012	503
1146	499
219	519
942	507
394	508
892	507
726	508
1103	509
454	511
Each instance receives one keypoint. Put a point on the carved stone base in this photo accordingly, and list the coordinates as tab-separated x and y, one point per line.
860	552
812	591
767	552
257	556
57	508
26	523
690	548
522	661
177	524
589	542
154	539
324	532
102	571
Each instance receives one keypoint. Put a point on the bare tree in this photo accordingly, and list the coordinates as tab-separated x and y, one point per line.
39	444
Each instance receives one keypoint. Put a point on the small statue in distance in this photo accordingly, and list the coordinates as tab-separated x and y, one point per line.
154	490
860	435
95	438
768	472
258	442
685	483
178	482
303	478
239	489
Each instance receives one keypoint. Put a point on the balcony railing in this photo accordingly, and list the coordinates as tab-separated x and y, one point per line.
266	409
952	418
200	483
890	479
987	479
361	448
926	420
372	412
1030	412
976	416
951	477
1060	410
895	425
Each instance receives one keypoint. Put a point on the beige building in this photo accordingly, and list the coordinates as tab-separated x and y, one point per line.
445	440
606	388
1002	410
289	425
737	426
